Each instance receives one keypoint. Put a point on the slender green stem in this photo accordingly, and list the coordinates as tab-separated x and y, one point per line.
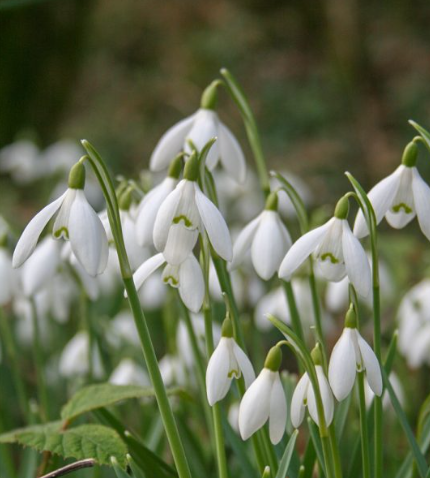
86	321
317	312
42	391
11	351
294	313
335	451
363	426
172	433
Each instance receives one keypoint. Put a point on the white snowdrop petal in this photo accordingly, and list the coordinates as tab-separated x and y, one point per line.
215	225
421	193
245	364
371	364
28	240
402	209
191	283
205	128
61	223
255	405
180	243
243	242
356	262
381	197
217	373
342	367
278	412
85	233
170	144
147	268
104	249
232	157
298	401
301	249
165	215
268	246
326	397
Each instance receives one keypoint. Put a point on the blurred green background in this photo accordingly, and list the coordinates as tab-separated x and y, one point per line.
332	82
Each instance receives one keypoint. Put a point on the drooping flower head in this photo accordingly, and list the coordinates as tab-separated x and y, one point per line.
227	362
76	221
268	239
265	400
183	214
198	129
400	197
350	355
337	252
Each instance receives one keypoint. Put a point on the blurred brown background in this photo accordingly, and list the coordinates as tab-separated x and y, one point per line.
332	83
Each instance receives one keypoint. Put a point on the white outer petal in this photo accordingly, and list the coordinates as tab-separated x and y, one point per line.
326	397
205	127
269	245
297	403
356	262
217	380
170	144
180	243
301	249
244	241
86	233
148	210
215	225
165	216
255	405
231	153
104	249
421	193
147	268
191	283
381	197
28	240
245	365
371	364
342	368
278	411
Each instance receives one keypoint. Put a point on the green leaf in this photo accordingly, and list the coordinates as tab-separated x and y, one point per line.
103	395
84	441
120	473
286	457
137	472
317	443
423	132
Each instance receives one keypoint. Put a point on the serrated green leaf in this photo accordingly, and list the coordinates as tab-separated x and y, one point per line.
85	441
103	395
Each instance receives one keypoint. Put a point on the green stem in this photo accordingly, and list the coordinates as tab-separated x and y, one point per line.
172	433
85	317
42	391
335	451
294	313
363	426
11	351
317	312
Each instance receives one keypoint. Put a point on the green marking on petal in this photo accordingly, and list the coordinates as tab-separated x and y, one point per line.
402	205
184	219
62	232
171	281
329	255
234	373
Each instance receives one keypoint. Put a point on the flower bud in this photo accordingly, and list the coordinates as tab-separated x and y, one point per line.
342	208
191	170
209	98
77	176
273	359
410	155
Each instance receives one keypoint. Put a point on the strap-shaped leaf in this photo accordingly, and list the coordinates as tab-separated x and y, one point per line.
103	395
85	441
286	457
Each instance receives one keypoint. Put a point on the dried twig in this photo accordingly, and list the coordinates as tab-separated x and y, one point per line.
78	465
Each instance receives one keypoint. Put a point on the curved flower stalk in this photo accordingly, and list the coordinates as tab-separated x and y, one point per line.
76	221
268	239
265	400
184	213
150	204
187	277
337	252
352	354
198	129
228	361
304	396
400	197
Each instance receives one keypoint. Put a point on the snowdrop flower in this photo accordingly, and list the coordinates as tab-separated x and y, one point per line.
199	128
184	213
21	160
149	206
268	239
304	396
76	221
350	355
400	197
386	402
228	361
41	266
265	400
337	251
152	294
187	277
128	372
